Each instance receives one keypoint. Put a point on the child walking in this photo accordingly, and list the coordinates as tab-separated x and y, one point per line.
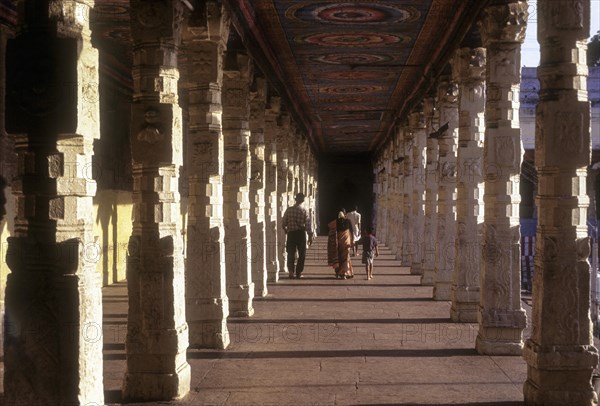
370	251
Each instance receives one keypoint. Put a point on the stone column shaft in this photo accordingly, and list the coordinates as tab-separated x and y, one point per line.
52	354
469	71
560	354
207	305
258	99
446	226
501	318
418	128
236	204
408	240
282	184
271	213
431	185
157	333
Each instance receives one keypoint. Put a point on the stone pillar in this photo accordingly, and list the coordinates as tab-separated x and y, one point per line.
282	184
418	128
446	231
236	184
501	318
392	166
560	354
258	101
53	320
271	219
469	71
384	198
396	224
431	186
157	333
408	229
7	173
207	306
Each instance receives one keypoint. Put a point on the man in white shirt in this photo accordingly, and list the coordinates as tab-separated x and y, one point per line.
354	217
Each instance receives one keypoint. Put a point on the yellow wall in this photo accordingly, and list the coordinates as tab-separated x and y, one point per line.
112	229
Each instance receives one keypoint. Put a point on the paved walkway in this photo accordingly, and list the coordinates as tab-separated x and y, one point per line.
323	341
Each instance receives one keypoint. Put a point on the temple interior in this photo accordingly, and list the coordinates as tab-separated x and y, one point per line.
149	150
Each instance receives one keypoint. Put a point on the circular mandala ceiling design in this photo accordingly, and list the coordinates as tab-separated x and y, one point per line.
350	99
354	75
350	89
353	39
352	58
363	12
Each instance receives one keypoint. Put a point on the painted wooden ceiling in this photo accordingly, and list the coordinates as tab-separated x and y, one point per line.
352	69
348	70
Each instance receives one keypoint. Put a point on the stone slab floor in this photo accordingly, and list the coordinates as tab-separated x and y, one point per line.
322	341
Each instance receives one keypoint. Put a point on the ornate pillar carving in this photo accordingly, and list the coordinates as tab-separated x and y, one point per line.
52	331
408	240
446	226
258	101
431	186
236	183
207	307
283	130
501	318
271	214
418	128
469	70
157	333
560	354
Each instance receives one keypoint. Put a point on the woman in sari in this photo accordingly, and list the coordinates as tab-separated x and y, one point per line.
339	244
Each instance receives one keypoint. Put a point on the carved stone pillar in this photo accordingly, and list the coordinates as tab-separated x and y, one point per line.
501	318
283	129
236	184
384	197
396	224
394	214
431	186
271	218
469	70
408	239
258	101
560	354
418	128
446	230
207	306
53	321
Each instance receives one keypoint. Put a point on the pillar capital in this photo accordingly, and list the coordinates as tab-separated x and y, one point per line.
504	21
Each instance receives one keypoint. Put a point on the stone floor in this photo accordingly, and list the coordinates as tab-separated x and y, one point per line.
322	341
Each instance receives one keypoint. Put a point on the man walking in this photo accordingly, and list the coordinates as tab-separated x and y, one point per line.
296	224
355	217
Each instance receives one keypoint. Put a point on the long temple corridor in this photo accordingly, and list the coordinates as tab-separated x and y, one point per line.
322	341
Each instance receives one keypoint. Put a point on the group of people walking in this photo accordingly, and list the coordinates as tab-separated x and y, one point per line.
344	238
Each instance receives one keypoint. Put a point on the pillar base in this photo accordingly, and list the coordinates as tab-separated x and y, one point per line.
441	291
465	304
207	322
153	387
499	346
416	268
427	277
464	312
261	292
240	309
571	365
208	334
